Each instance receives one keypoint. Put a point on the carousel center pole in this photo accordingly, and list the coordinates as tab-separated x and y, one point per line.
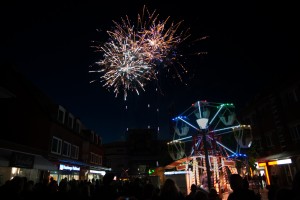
206	160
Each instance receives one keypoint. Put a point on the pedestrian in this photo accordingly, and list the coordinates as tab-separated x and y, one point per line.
239	192
191	195
170	191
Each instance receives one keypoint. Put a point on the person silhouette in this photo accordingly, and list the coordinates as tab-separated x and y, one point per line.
170	191
193	192
239	191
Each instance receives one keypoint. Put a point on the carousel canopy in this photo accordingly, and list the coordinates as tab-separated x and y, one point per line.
178	162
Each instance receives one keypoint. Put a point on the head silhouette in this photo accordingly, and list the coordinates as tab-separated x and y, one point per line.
193	188
236	181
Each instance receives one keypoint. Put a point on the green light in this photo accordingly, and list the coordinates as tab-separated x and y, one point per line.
151	171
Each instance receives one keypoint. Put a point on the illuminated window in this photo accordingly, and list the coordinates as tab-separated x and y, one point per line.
96	159
77	126
61	114
66	150
56	145
74	151
70	121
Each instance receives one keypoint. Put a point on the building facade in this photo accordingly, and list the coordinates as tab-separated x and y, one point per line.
40	138
274	118
141	152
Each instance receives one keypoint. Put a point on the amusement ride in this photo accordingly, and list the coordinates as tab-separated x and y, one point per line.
216	140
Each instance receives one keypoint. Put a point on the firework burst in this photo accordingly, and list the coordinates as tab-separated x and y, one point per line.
134	52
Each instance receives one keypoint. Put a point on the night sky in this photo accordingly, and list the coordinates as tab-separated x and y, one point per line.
248	46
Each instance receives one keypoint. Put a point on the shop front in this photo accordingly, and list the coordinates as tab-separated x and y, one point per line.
64	171
279	168
77	170
96	172
16	163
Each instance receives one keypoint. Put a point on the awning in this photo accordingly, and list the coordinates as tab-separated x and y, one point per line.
283	155
39	161
178	162
43	164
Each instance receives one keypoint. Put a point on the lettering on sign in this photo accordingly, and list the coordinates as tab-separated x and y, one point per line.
70	168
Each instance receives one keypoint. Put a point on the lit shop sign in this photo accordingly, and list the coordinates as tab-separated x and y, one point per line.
261	164
70	168
177	172
280	162
97	172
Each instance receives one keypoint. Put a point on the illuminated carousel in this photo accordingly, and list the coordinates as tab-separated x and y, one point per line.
208	140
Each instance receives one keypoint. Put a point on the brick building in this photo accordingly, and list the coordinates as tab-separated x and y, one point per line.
274	117
40	138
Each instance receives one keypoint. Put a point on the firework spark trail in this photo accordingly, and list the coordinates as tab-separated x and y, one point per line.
124	67
133	53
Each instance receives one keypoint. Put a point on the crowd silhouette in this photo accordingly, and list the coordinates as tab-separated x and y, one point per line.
20	188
